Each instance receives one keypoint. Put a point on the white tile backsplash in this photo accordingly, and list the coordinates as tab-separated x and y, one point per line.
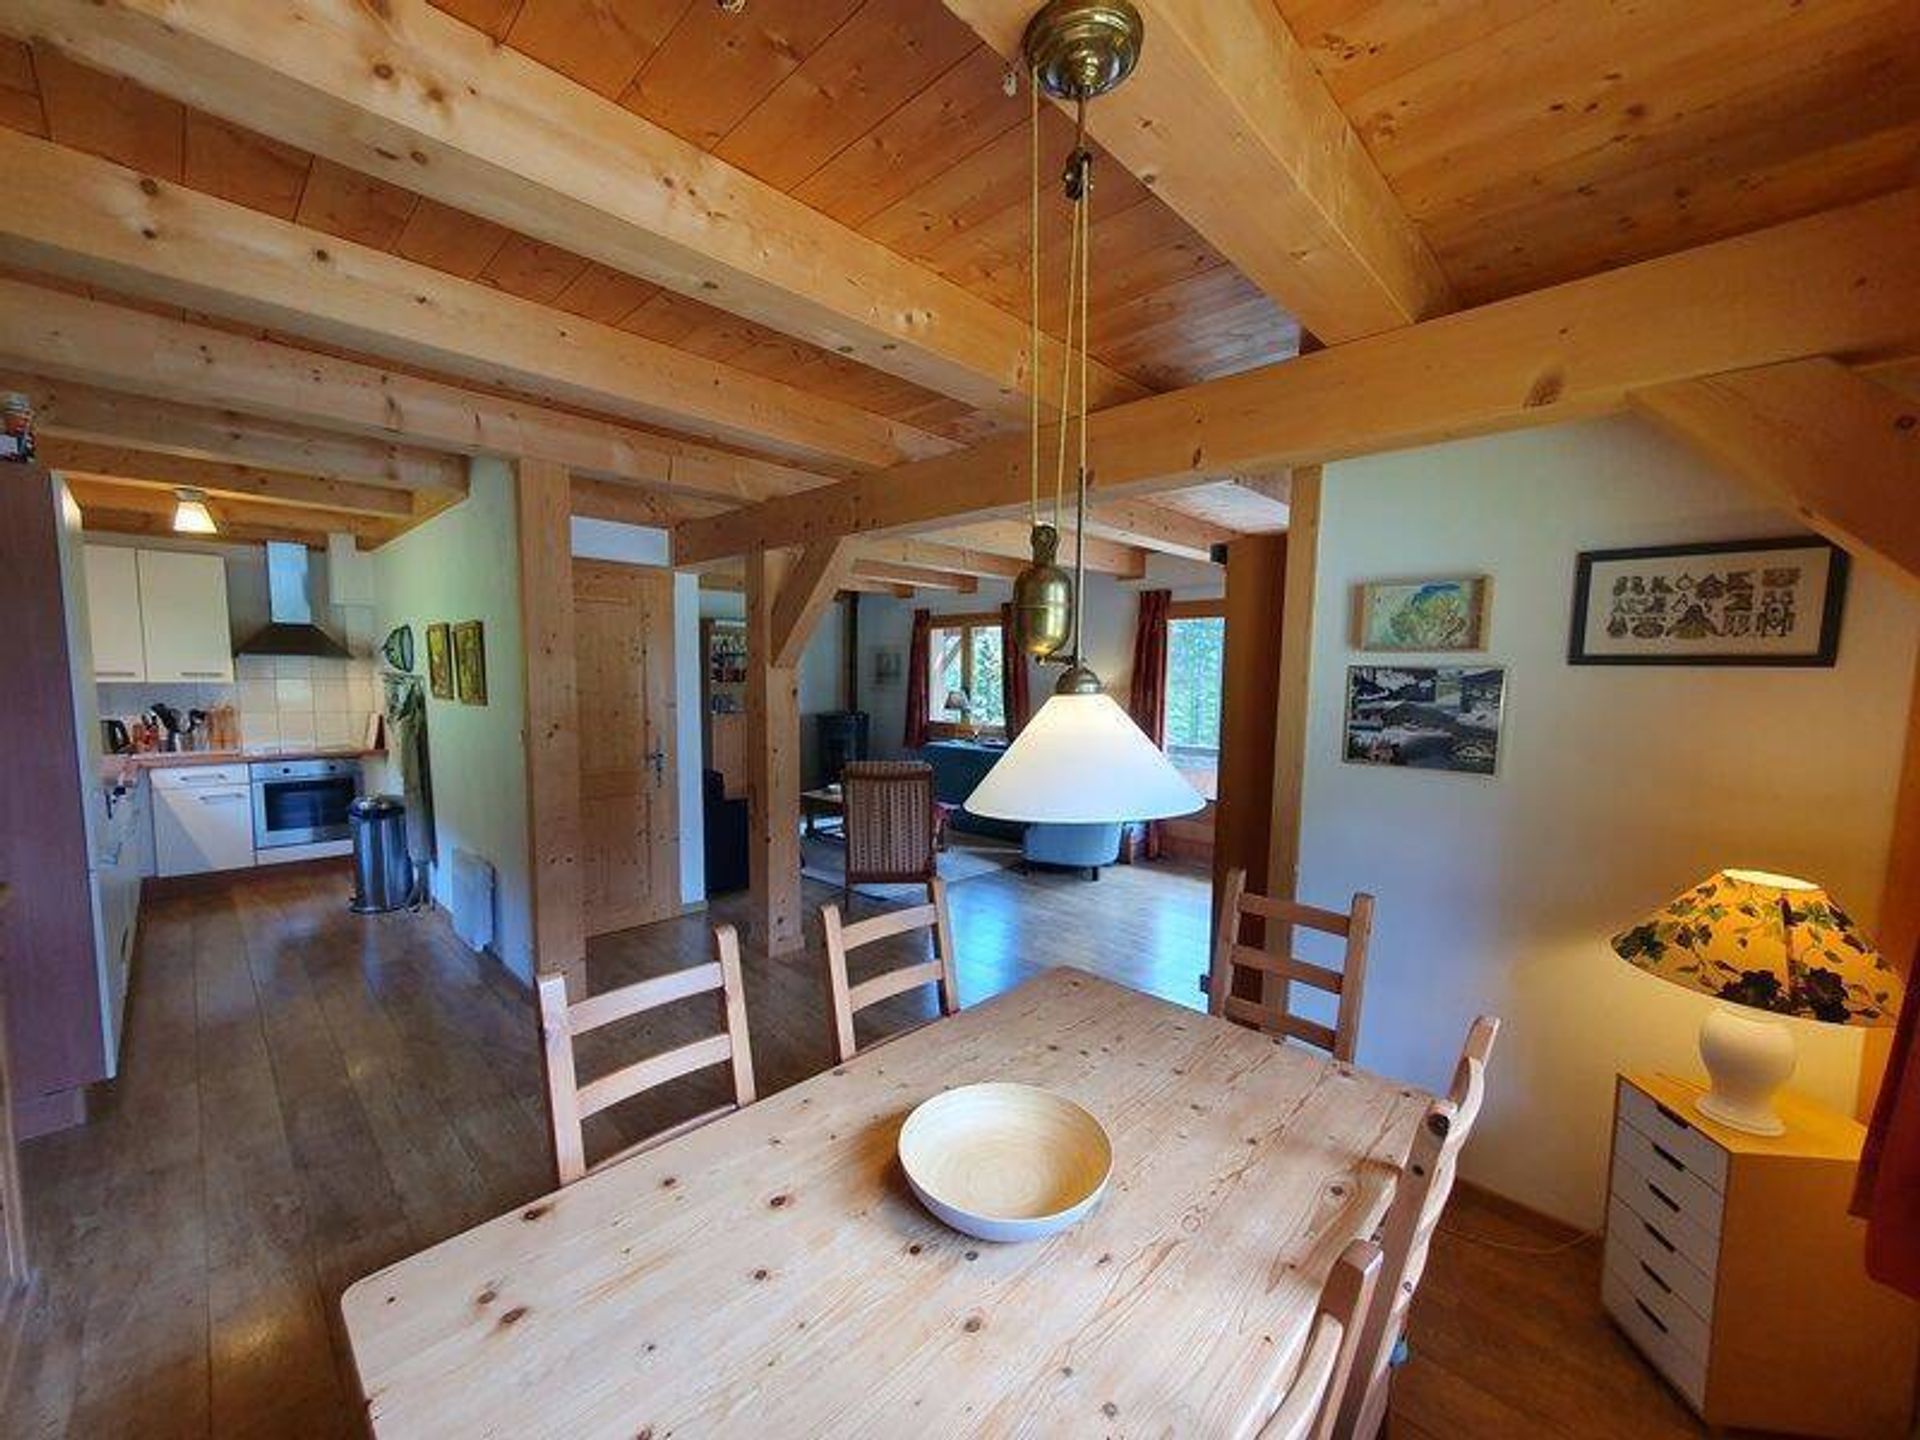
284	700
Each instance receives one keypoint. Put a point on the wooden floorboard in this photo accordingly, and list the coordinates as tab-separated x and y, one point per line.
308	1095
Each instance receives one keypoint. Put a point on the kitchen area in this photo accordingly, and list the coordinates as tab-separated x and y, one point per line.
187	718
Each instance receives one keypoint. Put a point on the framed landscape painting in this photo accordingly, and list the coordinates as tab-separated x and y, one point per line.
1745	602
1426	717
1422	615
470	661
440	660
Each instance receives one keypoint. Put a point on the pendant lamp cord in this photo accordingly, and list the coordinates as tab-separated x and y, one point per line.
1033	310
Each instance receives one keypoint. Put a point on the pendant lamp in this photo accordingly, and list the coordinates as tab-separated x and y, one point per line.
1081	760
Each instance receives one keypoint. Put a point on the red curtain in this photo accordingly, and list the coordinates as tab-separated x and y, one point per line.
919	658
1887	1191
1148	702
1013	664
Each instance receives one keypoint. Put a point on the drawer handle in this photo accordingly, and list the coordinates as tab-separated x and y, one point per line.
1672	1116
1659	1239
1668	1156
1664	1198
1659	1324
1655	1276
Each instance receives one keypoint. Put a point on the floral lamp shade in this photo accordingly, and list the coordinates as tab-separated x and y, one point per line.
1769	942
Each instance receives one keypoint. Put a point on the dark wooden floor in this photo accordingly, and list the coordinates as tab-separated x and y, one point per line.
308	1095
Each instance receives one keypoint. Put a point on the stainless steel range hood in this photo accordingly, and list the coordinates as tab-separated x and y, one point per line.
292	631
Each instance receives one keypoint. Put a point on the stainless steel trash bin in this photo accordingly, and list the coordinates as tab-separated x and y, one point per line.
382	869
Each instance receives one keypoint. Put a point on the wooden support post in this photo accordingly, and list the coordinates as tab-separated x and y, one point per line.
545	506
773	762
1295	623
1256	581
1898	932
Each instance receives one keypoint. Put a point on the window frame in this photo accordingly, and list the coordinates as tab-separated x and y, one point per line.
1205	781
966	623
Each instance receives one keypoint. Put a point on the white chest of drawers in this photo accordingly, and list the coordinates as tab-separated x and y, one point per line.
1733	1266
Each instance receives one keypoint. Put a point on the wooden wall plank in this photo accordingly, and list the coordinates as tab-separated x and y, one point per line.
543	507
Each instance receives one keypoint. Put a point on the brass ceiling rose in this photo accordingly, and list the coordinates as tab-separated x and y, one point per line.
1082	48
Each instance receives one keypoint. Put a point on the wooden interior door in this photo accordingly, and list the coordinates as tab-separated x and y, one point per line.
629	810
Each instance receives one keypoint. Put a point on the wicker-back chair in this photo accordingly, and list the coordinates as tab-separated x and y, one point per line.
892	823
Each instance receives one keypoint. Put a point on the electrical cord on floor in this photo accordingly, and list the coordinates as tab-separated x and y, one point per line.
1513	1249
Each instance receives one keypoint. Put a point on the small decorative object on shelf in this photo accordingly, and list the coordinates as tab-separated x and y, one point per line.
1733	1266
16	428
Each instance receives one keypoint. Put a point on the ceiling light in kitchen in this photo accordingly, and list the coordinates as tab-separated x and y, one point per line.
191	516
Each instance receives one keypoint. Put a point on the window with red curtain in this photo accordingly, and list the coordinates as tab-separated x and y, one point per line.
918	649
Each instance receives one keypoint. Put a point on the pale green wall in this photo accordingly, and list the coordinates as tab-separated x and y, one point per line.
464	565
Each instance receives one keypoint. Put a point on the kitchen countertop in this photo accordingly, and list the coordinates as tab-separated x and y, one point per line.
120	768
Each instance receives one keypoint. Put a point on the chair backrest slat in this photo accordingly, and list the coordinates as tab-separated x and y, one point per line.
889	923
629	1080
569	1102
847	999
1274	961
1419	1200
1311	1404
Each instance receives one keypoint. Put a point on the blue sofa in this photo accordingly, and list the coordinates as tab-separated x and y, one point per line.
960	765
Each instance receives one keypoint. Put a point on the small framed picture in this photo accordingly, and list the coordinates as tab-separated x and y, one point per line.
1420	616
470	661
1426	717
440	660
1741	602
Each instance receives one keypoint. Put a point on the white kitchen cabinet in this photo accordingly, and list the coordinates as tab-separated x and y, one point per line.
202	819
183	616
113	613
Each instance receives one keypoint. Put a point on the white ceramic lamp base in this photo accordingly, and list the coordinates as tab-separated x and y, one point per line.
1748	1057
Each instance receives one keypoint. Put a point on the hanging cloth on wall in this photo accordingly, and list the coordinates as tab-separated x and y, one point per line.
407	746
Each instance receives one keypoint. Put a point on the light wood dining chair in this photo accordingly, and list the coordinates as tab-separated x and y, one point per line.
569	1102
848	999
1273	959
1312	1400
1419	1199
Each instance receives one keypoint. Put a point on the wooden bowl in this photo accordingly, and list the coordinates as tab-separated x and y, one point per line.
1004	1161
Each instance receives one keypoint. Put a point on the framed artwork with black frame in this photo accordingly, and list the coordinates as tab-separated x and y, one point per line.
1734	602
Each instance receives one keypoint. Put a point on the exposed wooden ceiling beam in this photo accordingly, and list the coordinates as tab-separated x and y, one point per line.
405	92
82	412
1155	527
162	472
1227	121
1845	283
73	338
630	505
917	576
1842	452
109	496
100	520
854	585
1009	538
104	223
952	559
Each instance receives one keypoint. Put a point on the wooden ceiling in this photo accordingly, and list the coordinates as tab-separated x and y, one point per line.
1528	142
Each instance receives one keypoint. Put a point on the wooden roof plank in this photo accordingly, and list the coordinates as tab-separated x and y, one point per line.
446	112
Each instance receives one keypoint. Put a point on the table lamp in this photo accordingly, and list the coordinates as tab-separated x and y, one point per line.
1775	946
960	703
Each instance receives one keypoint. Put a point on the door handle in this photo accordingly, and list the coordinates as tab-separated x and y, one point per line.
657	758
222	799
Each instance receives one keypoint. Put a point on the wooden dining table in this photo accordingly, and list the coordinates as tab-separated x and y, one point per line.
772	1274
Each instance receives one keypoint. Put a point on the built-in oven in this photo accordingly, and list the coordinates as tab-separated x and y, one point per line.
302	802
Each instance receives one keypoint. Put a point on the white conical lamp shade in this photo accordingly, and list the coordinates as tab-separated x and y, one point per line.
1082	761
